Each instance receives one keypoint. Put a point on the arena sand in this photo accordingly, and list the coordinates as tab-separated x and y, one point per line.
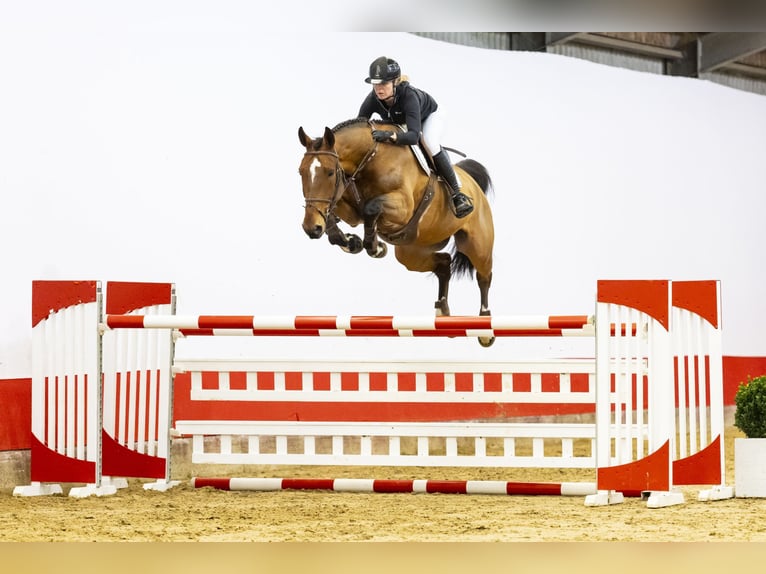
200	515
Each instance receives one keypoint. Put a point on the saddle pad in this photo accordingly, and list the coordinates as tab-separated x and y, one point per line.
421	157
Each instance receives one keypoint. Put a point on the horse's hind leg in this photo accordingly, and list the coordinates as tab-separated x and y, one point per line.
477	247
443	272
429	260
484	282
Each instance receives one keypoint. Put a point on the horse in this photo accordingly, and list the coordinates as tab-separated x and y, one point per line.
349	177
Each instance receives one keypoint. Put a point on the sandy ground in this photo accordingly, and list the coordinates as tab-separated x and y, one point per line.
188	514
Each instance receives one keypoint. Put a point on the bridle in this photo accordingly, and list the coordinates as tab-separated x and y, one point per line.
342	183
340	187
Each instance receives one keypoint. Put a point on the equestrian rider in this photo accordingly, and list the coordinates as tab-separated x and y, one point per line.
398	102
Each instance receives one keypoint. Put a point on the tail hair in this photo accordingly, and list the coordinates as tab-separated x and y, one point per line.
461	265
479	174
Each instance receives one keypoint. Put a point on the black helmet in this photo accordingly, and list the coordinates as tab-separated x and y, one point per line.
383	70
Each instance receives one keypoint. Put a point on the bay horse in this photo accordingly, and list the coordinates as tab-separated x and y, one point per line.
349	177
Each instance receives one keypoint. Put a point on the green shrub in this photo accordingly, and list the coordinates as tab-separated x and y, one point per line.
750	416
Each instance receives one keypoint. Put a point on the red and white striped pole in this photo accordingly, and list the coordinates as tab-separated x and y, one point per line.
400	486
359	325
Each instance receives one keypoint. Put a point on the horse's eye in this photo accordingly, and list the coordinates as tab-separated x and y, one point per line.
330	172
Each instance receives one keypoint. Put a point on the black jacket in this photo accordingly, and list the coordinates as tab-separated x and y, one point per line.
411	106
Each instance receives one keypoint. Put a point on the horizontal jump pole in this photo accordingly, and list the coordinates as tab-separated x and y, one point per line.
349	325
387	332
400	486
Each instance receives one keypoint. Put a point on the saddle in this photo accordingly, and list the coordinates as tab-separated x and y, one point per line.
423	155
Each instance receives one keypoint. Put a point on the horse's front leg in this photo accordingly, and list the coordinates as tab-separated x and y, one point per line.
348	242
375	248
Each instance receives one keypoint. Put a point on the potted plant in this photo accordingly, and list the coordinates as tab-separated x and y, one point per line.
750	452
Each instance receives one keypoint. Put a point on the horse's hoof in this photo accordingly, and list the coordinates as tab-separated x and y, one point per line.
486	341
442	308
381	252
354	244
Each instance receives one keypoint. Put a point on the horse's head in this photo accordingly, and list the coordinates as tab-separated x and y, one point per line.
322	179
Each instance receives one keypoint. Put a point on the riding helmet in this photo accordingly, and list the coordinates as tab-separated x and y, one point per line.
383	70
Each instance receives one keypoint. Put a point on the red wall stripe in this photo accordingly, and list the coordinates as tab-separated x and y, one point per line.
15	414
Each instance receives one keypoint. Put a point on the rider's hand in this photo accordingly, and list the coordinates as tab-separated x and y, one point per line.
383	136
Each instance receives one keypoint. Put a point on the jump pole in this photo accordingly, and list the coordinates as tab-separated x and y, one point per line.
369	485
361	326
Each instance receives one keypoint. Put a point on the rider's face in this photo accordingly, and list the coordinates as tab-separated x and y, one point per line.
384	90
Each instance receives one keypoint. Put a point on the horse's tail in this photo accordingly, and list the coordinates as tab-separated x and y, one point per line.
479	174
461	265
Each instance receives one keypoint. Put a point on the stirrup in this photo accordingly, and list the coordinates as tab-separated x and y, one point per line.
462	205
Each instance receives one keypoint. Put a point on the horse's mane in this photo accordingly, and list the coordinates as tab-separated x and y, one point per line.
356	122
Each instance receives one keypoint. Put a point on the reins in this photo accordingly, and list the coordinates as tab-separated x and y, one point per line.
350	183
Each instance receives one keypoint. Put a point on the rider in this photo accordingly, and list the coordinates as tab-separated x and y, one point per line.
398	102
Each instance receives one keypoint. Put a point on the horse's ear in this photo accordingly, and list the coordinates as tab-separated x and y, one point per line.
304	139
329	137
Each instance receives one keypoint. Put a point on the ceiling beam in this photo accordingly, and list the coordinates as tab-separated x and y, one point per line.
603	41
718	49
752	71
553	38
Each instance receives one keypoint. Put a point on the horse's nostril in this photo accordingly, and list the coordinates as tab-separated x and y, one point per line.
315	232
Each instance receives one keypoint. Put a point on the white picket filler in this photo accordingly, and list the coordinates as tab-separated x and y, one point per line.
521	444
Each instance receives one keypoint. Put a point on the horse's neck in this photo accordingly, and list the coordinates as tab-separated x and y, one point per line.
357	159
352	155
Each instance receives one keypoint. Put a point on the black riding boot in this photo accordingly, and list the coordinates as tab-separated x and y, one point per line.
462	203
